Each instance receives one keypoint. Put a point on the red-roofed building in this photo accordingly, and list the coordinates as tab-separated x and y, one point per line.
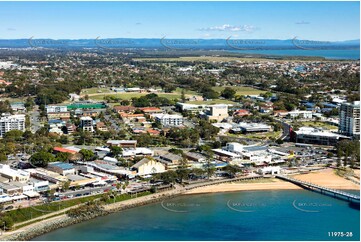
126	109
64	150
153	132
241	113
280	113
151	110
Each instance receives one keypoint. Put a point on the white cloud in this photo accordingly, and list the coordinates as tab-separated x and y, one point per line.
231	28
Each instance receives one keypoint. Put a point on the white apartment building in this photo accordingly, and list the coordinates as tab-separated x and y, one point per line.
56	109
11	122
349	123
169	119
87	124
300	114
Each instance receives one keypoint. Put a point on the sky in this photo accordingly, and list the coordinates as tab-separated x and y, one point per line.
327	21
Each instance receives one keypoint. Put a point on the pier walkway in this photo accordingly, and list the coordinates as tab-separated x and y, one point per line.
321	189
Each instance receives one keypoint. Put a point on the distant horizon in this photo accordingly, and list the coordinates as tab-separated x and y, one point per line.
157	38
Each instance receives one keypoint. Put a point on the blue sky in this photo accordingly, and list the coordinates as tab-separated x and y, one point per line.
331	21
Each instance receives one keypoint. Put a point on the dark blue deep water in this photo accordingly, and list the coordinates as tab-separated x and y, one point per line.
246	215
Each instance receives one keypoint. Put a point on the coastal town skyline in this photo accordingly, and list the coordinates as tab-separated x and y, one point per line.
180	121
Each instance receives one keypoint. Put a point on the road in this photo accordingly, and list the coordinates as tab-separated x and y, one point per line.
285	129
34	119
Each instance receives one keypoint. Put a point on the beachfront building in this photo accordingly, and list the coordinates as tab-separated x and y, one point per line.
11	122
148	166
349	117
269	170
171	161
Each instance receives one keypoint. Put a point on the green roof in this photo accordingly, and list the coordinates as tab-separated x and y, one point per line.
86	105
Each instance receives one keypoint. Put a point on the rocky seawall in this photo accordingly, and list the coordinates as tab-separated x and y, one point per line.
34	230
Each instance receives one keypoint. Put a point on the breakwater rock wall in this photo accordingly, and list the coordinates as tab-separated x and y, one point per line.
48	225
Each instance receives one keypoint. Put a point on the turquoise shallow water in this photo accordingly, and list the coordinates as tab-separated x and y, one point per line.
250	215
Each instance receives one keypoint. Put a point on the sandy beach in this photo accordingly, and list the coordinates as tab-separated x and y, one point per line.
326	178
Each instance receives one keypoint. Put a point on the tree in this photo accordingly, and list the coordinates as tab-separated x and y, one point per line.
7	222
228	93
183	96
116	151
41	159
232	170
14	135
3	157
87	154
62	156
29	104
65	186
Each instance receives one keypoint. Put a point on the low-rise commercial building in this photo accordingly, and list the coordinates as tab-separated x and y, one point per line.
122	143
310	135
148	166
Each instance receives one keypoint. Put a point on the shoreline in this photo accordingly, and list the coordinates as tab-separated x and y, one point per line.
39	228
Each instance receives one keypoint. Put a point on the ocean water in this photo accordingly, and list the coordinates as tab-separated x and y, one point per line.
352	54
247	215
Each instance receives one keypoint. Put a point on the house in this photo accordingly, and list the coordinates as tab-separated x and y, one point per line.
280	113
148	166
101	127
124	109
151	110
242	113
153	132
127	118
266	107
70	128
